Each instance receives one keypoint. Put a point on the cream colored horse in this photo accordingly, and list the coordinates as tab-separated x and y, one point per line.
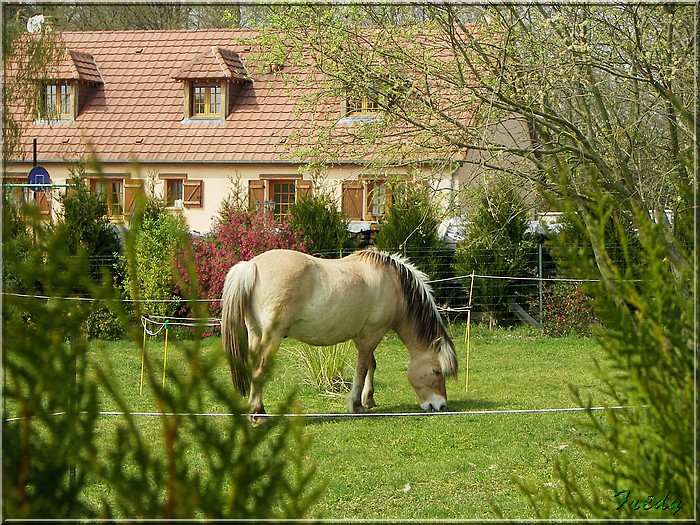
283	293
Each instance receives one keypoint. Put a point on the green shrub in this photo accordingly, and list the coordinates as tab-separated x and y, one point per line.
644	301
495	245
322	225
410	226
88	228
160	239
102	323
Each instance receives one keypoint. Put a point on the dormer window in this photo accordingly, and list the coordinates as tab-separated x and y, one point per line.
58	101
369	100
366	105
74	80
211	83
206	100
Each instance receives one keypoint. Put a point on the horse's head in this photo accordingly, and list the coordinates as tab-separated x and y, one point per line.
427	372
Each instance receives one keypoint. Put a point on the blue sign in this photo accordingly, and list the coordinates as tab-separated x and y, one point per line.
39	175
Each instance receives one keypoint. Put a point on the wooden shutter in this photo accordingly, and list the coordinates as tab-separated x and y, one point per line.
352	200
256	194
43	202
133	192
193	193
304	188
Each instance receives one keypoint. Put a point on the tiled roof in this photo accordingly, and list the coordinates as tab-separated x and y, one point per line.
137	112
217	63
79	66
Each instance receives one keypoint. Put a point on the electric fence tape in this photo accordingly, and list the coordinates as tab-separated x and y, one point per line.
164	323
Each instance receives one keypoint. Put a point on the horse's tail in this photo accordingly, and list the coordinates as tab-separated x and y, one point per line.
234	305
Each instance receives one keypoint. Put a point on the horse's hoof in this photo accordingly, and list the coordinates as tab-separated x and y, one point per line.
257	420
357	409
369	403
257	417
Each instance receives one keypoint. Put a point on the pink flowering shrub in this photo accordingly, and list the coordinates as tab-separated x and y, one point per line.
567	310
237	236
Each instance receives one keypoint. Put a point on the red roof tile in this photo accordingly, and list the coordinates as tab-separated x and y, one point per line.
215	64
79	66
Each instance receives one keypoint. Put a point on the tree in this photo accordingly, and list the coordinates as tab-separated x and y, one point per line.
27	59
495	245
88	229
627	114
151	16
317	218
410	226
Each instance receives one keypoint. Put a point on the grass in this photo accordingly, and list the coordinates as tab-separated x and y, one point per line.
428	468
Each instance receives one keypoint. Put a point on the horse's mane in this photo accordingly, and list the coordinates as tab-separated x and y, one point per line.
419	302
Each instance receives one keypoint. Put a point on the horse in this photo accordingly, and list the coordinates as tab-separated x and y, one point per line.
361	297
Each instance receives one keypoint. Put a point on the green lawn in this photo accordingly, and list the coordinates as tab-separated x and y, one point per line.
428	467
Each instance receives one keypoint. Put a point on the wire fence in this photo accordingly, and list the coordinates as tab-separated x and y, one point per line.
490	293
534	294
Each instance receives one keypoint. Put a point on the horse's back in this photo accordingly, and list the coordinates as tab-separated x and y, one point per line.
321	301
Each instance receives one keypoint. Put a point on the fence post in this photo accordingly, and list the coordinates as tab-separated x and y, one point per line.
539	282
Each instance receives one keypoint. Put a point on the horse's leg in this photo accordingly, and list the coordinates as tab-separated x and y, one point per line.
266	349
368	390
365	359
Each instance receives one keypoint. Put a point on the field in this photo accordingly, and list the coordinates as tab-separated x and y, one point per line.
443	467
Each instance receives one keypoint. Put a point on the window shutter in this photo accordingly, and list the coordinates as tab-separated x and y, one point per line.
304	188
344	105
193	193
256	194
133	190
352	200
44	203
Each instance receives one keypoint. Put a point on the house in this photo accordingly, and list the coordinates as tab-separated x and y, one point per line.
189	115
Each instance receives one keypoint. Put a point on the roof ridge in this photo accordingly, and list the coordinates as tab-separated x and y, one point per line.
220	60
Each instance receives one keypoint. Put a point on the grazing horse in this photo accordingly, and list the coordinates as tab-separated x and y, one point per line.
284	293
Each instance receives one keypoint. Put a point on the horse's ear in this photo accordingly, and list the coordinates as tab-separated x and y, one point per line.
437	344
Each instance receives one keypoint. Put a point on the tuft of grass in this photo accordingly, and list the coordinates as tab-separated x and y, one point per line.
327	367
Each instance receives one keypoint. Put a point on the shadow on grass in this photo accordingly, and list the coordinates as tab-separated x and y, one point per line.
409	408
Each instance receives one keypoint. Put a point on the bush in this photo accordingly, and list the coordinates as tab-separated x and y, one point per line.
644	301
320	223
88	228
566	310
494	245
237	236
159	241
410	226
101	323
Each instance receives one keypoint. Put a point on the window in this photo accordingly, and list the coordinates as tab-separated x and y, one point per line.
377	196
16	194
206	100
362	105
365	200
57	101
173	191
276	195
112	192
283	195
